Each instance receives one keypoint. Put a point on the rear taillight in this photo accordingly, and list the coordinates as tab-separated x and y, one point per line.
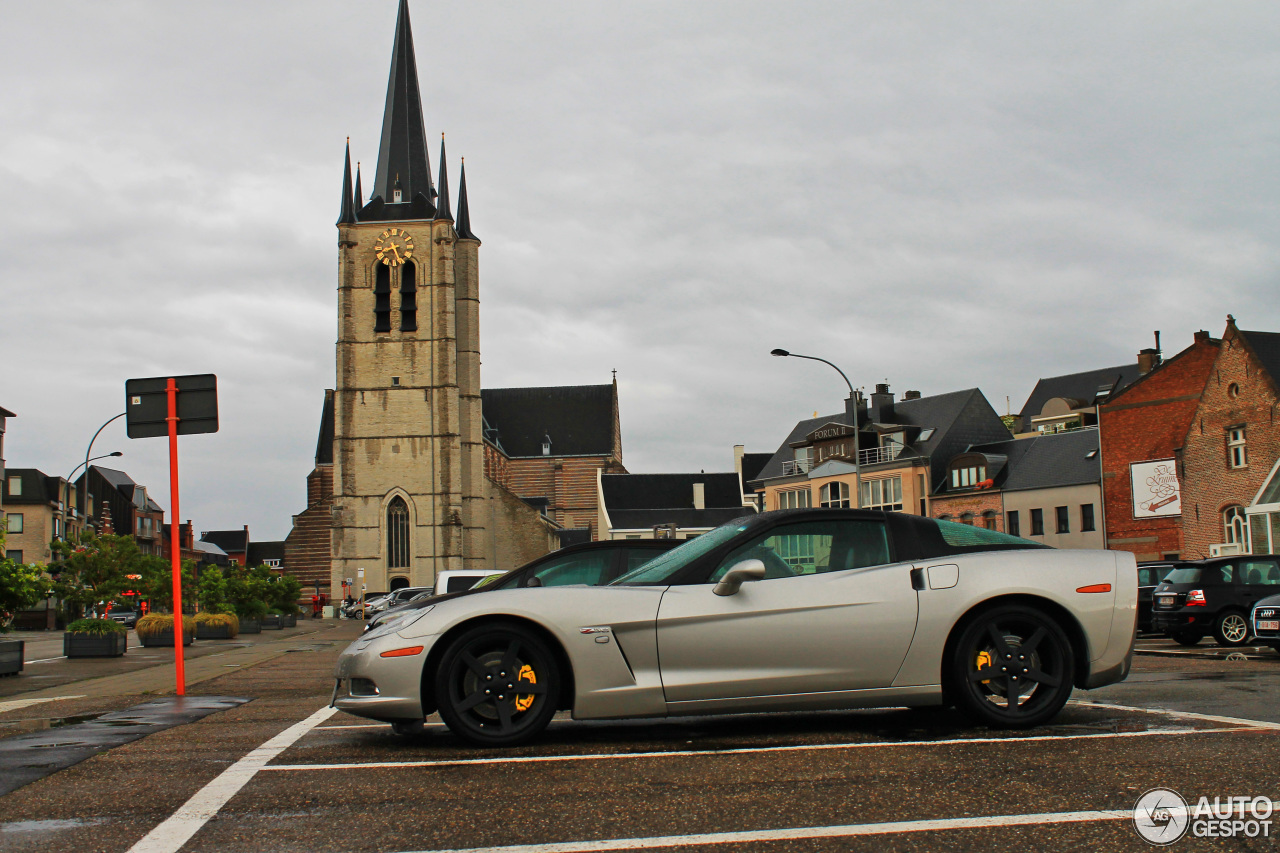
1195	598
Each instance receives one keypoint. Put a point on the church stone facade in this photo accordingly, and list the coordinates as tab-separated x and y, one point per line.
406	483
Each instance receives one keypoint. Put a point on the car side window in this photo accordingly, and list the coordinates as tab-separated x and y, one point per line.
813	547
637	558
1260	572
589	568
1146	577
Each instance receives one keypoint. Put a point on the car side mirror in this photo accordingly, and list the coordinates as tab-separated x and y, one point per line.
747	570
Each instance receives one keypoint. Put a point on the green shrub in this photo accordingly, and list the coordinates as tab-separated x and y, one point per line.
97	627
217	620
155	624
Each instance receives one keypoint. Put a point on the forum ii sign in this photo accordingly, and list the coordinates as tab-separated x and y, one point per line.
1155	488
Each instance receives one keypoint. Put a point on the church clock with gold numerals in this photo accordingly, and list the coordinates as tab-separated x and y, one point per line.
394	247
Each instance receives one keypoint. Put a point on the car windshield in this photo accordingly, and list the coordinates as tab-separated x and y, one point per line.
661	568
1183	575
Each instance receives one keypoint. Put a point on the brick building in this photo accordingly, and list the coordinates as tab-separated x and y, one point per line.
307	548
113	500
1233	442
1143	429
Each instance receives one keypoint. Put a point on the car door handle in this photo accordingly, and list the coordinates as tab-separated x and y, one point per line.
917	579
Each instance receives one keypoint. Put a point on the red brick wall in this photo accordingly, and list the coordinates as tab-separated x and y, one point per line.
1149	420
568	482
1210	483
987	500
307	552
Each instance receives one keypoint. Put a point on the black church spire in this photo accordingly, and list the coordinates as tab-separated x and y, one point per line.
346	213
442	205
463	225
359	194
402	153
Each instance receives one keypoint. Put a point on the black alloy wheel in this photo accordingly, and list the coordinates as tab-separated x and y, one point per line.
497	685
1231	628
1187	638
1012	667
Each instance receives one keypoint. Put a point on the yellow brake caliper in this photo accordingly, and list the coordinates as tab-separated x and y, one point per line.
983	662
525	702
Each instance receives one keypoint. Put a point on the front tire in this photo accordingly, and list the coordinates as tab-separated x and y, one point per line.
1231	629
497	685
1012	667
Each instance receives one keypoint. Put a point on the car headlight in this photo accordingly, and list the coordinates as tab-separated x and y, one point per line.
398	623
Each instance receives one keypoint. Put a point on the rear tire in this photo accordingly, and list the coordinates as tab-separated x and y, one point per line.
1028	663
1186	638
1231	629
497	685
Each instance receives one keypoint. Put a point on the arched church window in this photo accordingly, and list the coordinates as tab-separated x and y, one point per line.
409	297
1234	525
397	534
382	299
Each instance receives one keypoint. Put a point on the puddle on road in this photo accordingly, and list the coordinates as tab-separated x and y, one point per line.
41	724
49	825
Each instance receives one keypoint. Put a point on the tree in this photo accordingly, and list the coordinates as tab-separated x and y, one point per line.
156	583
93	569
213	591
21	586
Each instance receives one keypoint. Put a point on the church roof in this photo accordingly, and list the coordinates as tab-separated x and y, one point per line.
442	203
578	419
402	152
463	225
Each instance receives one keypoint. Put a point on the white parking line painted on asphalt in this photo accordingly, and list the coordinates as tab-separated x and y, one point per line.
373	726
44	660
1187	715
804	832
196	812
15	704
751	750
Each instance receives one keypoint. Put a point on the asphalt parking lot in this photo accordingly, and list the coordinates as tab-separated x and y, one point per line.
282	772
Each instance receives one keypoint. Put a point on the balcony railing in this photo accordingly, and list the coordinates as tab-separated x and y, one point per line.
795	466
874	455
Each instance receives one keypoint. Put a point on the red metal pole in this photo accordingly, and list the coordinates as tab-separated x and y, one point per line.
175	553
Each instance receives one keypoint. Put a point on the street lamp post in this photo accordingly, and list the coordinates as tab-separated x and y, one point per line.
853	398
70	479
88	450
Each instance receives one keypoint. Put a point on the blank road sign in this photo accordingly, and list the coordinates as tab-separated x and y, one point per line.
147	405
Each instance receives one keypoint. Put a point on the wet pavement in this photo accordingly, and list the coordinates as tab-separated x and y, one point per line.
864	780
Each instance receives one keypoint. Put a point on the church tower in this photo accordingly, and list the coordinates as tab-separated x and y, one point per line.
408	461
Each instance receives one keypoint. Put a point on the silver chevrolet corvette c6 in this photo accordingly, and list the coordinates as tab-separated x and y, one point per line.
781	611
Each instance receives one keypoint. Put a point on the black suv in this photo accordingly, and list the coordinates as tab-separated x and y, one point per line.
589	563
1215	596
1149	577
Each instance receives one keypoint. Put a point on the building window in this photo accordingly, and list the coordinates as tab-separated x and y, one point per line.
15	487
632	536
1063	518
1037	522
397	534
16	556
1011	523
382	298
1234	525
1086	518
966	518
1233	390
1237	456
834	495
989	520
409	297
885	493
793	499
14	522
963	478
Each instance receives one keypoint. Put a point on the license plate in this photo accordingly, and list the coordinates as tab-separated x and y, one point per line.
1165	600
1268	625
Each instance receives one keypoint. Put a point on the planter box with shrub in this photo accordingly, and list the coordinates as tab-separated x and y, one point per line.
156	629
271	622
216	626
250	626
289	620
11	652
95	638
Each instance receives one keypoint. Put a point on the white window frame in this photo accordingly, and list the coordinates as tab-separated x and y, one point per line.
1237	447
1235	526
794	499
15	486
834	495
882	493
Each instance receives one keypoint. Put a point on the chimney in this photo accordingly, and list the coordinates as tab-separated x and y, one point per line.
1148	359
699	495
911	395
882	404
1201	336
738	451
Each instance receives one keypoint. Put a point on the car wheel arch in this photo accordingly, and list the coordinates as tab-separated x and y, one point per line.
432	663
1069	624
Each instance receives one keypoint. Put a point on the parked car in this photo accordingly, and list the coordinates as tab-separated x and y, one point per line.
1265	621
126	616
781	611
592	563
1149	577
395	598
1214	596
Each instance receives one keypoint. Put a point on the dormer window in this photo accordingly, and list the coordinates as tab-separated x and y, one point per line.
968	476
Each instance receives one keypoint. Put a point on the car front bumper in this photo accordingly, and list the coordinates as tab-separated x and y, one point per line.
388	689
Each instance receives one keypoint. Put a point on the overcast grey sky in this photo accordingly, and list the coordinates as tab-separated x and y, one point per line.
940	195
